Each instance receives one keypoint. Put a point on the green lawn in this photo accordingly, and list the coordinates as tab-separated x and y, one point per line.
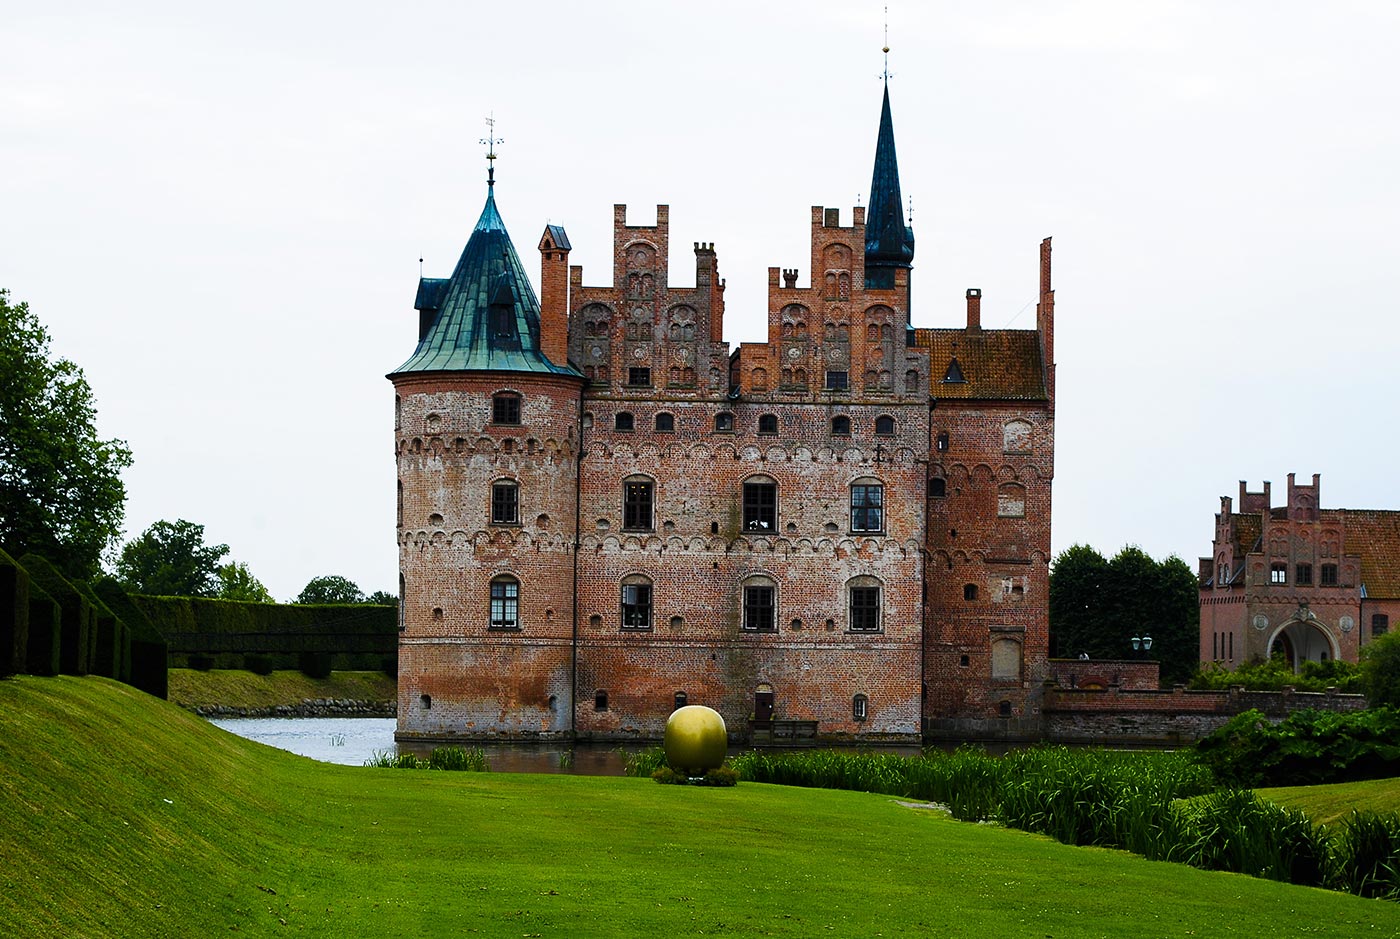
236	688
121	815
1329	804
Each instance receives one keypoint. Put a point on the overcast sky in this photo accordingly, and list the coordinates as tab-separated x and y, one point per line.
218	212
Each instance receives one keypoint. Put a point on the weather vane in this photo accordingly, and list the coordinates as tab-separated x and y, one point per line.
490	140
886	49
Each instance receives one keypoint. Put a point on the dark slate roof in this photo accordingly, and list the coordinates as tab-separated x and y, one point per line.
558	236
995	364
486	315
889	243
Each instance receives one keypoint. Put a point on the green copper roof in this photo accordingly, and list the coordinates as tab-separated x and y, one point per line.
889	243
485	317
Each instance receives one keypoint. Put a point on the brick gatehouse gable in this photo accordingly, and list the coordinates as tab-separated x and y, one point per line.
606	512
1308	582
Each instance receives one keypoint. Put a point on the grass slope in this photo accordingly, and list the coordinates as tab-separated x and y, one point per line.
1327	805
121	815
236	688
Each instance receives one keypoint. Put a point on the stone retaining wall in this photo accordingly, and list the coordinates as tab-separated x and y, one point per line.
318	707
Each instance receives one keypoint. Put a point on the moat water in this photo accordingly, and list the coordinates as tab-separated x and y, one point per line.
354	741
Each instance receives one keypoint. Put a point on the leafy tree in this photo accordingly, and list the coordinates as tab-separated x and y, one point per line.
1380	670
1097	606
61	492
331	588
236	582
382	598
170	559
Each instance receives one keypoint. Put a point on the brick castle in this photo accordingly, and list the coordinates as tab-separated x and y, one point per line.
605	512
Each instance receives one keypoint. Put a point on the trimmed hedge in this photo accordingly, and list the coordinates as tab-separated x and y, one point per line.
14	616
45	633
78	637
109	634
144	659
209	633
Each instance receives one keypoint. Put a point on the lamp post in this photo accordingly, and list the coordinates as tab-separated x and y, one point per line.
1142	643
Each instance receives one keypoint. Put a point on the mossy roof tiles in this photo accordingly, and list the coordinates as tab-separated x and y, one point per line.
996	364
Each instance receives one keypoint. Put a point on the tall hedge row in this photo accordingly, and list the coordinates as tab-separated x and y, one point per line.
77	618
147	652
45	633
14	616
205	633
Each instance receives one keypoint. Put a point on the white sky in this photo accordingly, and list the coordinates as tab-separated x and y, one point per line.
218	211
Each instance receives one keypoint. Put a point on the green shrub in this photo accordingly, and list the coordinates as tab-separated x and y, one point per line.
258	664
42	656
314	664
1277	674
1307	748
669	777
201	663
723	777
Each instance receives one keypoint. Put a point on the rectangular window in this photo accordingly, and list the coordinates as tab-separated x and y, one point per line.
867	508
758	609
1329	575
505	604
639	376
1278	573
760	506
505	409
636	606
1304	574
865	609
1380	624
505	503
837	381
636	506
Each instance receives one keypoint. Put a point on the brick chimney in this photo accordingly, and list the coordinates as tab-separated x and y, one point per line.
554	294
974	310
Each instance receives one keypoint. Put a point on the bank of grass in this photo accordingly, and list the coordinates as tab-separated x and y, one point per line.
1328	805
243	689
121	815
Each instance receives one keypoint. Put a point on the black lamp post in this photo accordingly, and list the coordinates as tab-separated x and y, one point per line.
1142	643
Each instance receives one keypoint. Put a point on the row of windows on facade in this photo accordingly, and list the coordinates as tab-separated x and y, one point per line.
860	704
1303	574
759	595
790	378
505	409
641	330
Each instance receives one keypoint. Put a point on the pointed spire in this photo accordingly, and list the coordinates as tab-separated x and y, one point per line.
889	242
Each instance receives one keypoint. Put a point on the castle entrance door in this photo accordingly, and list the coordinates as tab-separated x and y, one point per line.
763	703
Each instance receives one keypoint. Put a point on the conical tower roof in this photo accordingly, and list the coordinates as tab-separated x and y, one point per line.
889	243
485	316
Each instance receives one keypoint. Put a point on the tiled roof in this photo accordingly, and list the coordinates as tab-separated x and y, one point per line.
994	363
1248	527
1375	535
486	316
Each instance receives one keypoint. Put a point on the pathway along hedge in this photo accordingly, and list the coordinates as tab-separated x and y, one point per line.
207	633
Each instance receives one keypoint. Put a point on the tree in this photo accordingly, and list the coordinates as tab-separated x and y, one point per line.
236	582
382	598
1380	670
330	588
1098	606
170	559
61	492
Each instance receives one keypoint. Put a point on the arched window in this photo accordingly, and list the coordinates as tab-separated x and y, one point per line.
1016	437
636	602
841	426
872	332
760	599
768	424
860	707
505	502
681	700
884	425
638	500
665	423
505	602
760	505
863	604
867	506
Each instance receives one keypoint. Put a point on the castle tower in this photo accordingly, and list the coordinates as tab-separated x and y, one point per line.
487	440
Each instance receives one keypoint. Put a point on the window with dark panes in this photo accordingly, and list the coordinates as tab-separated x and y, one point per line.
636	605
1329	575
637	505
865	609
1304	574
884	425
638	376
505	503
665	422
505	603
768	424
760	505
758	608
841	426
867	507
623	421
505	409
837	380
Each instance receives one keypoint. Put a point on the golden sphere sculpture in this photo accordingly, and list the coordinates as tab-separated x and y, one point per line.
696	740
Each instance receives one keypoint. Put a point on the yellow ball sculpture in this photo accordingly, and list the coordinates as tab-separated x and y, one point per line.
696	740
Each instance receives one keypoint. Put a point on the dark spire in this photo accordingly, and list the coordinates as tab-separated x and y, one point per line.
889	242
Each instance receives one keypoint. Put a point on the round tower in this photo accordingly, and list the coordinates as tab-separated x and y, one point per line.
486	432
